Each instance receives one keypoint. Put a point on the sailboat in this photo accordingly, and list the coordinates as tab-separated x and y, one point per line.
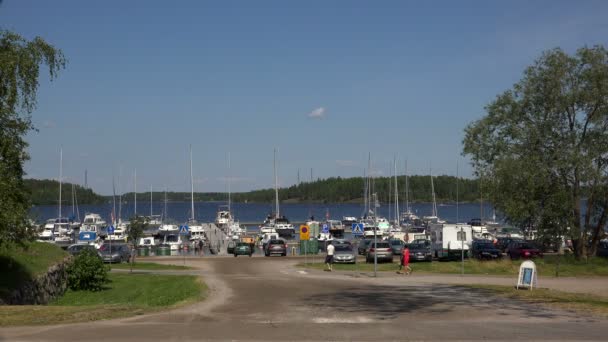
196	229
433	218
277	222
166	226
407	217
153	220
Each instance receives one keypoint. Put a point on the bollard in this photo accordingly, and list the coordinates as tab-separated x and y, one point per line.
293	251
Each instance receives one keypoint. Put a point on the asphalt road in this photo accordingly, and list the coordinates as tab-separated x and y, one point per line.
268	299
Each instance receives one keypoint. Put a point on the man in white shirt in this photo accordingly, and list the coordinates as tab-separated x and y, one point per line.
329	259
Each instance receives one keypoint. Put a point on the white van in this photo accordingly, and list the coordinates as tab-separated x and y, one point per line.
449	240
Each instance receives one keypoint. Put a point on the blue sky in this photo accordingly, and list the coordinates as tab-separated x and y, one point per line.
324	81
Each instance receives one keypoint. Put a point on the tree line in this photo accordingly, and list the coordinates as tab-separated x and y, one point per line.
330	190
46	191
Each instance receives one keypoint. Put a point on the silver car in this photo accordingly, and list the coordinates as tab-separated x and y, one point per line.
382	249
344	254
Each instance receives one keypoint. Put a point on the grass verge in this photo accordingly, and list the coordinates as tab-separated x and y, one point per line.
568	266
150	266
565	300
20	263
126	295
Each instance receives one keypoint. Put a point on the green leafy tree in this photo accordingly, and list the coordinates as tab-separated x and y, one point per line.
20	62
87	272
137	225
543	146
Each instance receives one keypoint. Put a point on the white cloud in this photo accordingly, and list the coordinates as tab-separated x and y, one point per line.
318	113
376	173
343	162
200	180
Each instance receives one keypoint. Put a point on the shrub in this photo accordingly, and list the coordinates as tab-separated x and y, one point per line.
87	272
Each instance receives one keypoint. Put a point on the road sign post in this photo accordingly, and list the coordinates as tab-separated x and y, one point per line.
305	236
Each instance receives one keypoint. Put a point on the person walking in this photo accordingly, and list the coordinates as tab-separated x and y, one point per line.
329	258
405	261
200	247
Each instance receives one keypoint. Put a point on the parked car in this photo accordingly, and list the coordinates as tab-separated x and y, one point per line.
503	243
116	253
396	245
344	254
275	247
242	248
230	247
523	249
77	248
420	251
602	249
485	250
380	250
363	244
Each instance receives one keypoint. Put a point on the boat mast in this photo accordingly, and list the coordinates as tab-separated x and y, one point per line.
191	188
135	192
229	183
119	196
60	177
457	212
165	216
407	190
396	191
433	192
113	201
150	202
276	188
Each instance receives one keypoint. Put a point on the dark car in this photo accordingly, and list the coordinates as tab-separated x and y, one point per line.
116	253
363	246
242	248
485	250
602	249
380	250
275	247
503	243
420	251
230	247
396	246
523	249
75	249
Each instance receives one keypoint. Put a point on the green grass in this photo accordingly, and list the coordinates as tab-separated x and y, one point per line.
565	300
568	266
150	266
21	263
126	295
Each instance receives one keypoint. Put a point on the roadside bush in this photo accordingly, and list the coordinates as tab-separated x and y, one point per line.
87	272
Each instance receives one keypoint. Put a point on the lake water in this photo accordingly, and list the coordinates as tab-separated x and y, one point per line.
256	212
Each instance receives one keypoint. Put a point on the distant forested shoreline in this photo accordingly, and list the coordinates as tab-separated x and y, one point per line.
329	190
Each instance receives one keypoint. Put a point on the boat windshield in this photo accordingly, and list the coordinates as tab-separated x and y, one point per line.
171	238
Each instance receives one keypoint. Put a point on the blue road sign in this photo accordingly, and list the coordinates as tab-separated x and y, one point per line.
183	230
111	230
357	229
325	229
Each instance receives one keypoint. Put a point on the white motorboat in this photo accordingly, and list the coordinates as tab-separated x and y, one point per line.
174	241
47	234
223	216
92	223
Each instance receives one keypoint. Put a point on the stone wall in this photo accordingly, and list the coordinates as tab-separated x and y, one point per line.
43	288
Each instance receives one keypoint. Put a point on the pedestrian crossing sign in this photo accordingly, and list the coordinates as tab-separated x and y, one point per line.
357	228
183	230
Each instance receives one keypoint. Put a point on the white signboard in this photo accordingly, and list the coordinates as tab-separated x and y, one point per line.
527	275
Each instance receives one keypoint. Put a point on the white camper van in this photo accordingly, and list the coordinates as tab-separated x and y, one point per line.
448	240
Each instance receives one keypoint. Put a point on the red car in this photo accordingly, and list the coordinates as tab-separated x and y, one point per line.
523	249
